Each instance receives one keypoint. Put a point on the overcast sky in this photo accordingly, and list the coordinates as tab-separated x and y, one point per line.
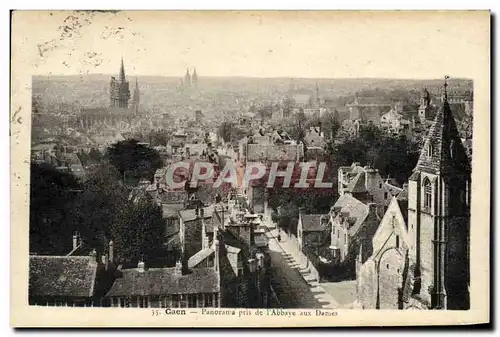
271	44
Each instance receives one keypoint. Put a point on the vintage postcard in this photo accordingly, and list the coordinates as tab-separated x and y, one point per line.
250	169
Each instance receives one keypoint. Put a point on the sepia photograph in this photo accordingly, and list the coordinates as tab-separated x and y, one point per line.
185	168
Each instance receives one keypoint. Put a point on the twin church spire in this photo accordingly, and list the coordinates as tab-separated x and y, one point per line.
190	80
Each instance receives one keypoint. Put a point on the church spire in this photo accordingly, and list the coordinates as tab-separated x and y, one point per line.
194	77
122	72
136	97
187	78
443	151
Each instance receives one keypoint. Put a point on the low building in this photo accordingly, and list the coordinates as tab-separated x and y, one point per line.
74	281
313	236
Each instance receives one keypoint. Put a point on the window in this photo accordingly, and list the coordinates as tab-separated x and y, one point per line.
380	185
175	301
397	241
184	301
427	193
429	150
192	301
209	300
385	195
143	302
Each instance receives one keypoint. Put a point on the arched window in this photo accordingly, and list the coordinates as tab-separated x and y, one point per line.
429	150
427	193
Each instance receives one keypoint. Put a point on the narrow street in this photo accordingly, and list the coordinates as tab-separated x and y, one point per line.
289	285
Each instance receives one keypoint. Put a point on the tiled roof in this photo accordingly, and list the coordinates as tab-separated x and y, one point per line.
353	208
448	152
199	257
163	281
312	223
403	195
258	152
394	190
357	184
62	276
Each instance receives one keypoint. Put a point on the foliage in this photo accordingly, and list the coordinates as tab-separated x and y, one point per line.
134	159
50	192
230	132
138	231
99	210
393	156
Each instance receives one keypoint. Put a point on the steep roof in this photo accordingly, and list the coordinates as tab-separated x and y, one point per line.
72	276
352	208
199	257
312	223
163	281
448	152
357	184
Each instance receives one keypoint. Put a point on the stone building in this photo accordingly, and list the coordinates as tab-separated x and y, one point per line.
313	236
79	279
427	268
380	276
366	185
353	224
120	114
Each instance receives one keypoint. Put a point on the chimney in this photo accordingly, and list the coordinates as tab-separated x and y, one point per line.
110	252
216	248
141	266
178	268
76	239
93	255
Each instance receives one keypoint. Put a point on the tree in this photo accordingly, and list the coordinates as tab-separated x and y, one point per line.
50	193
139	231
134	159
231	133
98	206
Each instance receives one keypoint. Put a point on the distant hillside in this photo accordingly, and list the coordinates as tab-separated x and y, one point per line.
164	93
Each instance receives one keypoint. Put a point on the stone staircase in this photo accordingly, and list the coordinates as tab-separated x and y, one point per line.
326	300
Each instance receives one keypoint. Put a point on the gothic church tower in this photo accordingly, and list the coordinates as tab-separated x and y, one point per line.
439	217
119	90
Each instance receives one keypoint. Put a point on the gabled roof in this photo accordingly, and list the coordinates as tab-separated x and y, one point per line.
163	281
448	152
354	209
357	184
199	257
394	190
312	223
65	276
